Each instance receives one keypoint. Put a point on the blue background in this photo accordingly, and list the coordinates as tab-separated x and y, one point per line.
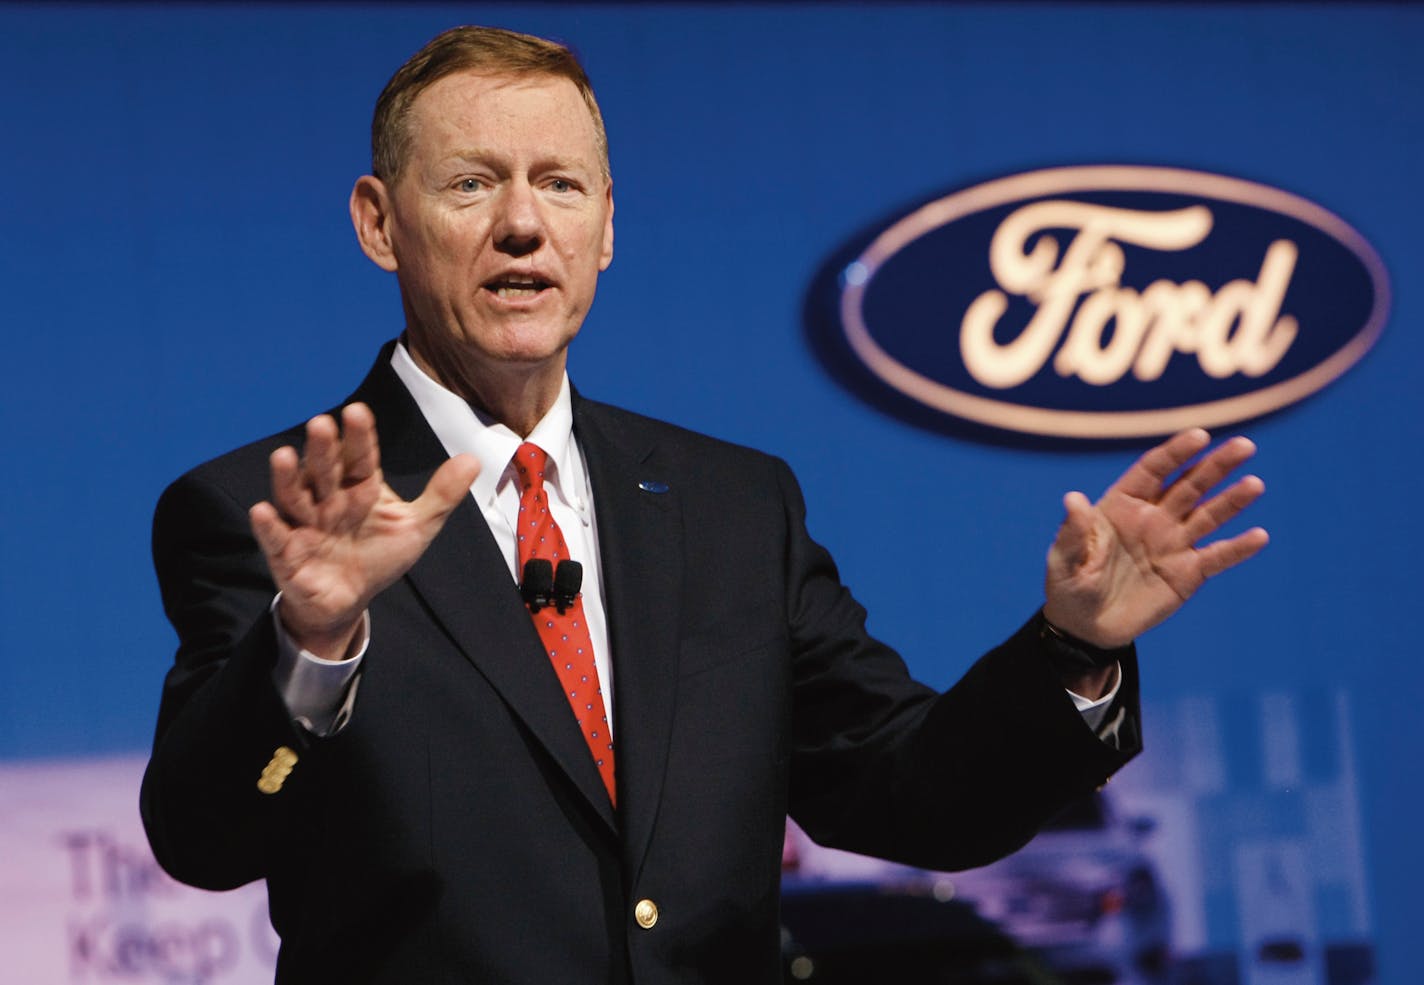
180	276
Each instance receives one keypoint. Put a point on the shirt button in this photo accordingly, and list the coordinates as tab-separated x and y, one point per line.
646	913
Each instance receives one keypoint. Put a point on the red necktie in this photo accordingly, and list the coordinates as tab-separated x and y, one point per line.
565	634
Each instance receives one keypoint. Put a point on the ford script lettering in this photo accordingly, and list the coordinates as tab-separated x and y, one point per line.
1112	302
1146	327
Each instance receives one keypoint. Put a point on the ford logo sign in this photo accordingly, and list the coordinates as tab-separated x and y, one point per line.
1107	302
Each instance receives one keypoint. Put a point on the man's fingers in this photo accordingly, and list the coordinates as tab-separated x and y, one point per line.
1145	478
270	530
450	483
290	494
360	452
1217	557
1199	480
1071	545
1224	506
321	459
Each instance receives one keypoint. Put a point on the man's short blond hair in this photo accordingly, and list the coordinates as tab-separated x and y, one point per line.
489	50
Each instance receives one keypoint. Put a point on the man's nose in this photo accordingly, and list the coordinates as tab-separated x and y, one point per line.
519	229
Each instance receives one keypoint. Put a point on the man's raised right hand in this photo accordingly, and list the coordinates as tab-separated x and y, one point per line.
335	535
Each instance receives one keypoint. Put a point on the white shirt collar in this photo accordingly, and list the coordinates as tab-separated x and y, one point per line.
461	428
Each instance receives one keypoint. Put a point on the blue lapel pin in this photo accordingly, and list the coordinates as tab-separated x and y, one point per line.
653	486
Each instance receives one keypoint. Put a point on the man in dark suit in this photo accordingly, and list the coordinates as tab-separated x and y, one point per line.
363	713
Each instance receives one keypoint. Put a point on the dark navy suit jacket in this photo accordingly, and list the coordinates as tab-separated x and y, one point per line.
456	830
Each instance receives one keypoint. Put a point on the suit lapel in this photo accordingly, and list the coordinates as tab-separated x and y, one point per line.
464	581
640	546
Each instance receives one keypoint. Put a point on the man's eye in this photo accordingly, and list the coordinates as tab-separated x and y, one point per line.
469	185
561	185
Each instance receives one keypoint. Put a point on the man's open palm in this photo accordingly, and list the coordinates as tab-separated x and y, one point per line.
1120	566
335	534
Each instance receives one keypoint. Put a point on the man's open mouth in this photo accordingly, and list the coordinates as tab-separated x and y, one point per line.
513	288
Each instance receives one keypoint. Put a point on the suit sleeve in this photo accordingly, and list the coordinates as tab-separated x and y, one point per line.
221	721
886	766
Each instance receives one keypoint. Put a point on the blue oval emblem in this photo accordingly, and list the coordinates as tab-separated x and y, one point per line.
1110	301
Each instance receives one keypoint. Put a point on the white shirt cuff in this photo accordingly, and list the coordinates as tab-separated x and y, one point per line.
1092	711
319	693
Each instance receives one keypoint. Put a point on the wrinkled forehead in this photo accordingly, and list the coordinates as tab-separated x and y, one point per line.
477	106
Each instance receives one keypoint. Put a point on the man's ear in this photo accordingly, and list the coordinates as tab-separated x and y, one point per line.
371	215
606	256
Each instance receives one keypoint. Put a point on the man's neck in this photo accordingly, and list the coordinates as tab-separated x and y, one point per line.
516	396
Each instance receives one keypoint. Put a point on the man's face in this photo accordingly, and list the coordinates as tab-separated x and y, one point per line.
501	220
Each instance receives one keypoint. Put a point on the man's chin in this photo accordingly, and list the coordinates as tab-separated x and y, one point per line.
514	349
526	357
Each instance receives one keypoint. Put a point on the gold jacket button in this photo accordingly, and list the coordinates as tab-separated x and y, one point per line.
646	913
278	768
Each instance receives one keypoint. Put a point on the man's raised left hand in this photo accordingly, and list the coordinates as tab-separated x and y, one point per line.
1121	565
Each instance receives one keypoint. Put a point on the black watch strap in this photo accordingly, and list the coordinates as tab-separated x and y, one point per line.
1071	654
